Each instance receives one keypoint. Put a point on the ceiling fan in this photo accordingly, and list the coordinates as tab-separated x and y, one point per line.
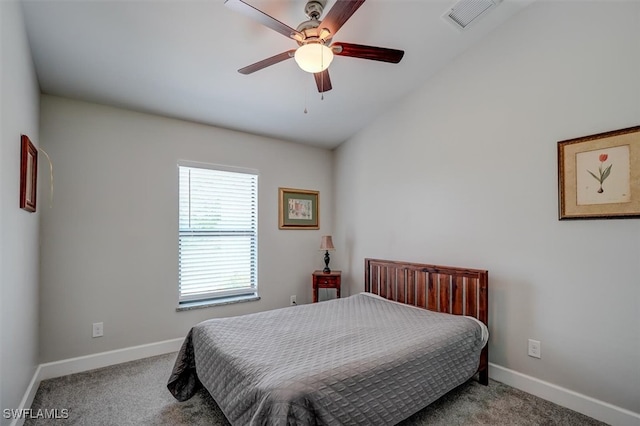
315	51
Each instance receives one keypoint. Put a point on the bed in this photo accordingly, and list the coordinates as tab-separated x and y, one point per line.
375	358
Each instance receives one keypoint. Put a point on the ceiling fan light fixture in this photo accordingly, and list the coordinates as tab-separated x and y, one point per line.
313	57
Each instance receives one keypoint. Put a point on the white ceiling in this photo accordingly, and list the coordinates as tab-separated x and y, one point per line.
180	58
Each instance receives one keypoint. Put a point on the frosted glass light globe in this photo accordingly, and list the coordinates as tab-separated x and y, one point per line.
313	57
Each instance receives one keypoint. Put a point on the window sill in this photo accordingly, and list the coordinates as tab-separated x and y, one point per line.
200	304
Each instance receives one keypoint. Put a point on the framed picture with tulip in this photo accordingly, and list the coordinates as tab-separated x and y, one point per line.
599	175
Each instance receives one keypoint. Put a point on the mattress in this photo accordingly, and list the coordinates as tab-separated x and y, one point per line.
356	360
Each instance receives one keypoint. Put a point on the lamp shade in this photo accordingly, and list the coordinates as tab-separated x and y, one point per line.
313	57
326	243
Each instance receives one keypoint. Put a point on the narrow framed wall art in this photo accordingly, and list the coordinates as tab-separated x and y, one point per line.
28	174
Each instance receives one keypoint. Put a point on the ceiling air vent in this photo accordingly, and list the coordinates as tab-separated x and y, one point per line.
466	12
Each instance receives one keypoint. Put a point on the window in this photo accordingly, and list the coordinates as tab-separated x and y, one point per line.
218	233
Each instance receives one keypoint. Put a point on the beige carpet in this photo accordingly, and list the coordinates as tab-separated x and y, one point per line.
135	393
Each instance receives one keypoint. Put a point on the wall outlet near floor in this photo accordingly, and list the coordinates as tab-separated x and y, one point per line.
534	348
98	329
292	302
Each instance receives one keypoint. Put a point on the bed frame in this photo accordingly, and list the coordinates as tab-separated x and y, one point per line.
458	291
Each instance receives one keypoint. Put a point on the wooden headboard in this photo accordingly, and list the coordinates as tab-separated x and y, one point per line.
458	291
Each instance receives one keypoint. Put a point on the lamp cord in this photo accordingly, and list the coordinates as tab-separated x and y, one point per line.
50	175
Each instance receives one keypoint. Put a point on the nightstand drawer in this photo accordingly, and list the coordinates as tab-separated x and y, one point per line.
328	281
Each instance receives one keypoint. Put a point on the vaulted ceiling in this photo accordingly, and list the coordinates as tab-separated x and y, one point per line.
180	59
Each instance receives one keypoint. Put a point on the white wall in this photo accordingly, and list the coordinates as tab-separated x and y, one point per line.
464	173
18	229
109	240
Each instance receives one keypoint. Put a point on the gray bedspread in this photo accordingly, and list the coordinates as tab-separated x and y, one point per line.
356	360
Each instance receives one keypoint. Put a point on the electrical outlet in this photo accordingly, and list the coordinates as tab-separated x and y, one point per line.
534	348
292	302
98	329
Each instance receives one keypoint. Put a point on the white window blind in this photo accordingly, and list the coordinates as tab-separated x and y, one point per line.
218	233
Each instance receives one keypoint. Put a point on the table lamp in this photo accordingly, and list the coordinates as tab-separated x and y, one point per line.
326	244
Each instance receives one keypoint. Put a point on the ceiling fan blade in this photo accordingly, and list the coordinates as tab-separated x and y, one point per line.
264	19
323	81
368	52
267	62
339	14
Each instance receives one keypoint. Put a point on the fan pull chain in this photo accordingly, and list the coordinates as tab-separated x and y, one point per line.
322	76
306	97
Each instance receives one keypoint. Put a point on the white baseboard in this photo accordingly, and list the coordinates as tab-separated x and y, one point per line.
27	399
64	367
104	359
586	405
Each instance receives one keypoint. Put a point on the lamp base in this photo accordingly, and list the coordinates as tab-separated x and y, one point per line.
326	269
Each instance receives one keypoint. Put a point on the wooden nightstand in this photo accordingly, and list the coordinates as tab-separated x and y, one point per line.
322	280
